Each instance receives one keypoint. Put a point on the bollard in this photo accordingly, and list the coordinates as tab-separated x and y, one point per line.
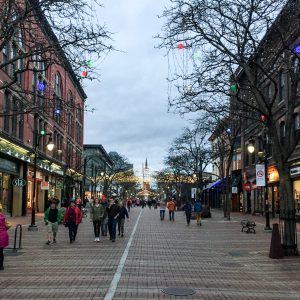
276	251
20	238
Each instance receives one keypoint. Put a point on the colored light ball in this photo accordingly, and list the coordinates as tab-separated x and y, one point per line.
84	73
89	63
197	55
180	46
233	88
41	86
263	118
228	130
57	111
297	49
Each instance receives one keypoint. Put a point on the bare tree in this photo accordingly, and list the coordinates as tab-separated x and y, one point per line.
34	35
191	153
248	46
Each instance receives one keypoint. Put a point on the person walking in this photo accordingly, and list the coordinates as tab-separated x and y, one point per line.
198	211
129	204
121	219
52	218
188	212
162	210
104	222
171	207
4	241
72	218
96	214
113	213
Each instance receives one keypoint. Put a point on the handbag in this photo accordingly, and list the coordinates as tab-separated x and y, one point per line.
7	224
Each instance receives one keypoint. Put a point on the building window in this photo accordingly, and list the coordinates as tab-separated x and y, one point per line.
21	122
282	131
13	66
58	85
14	117
281	87
6	112
5	57
296	123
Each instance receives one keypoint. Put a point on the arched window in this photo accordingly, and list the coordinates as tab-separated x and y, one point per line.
58	85
70	100
282	131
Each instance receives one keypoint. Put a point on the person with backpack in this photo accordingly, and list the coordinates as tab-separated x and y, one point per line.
188	212
198	211
171	207
72	219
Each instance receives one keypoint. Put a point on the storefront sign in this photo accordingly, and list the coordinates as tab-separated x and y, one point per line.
8	166
45	185
260	175
295	171
234	190
193	193
20	182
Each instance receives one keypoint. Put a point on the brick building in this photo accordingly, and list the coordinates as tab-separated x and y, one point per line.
45	98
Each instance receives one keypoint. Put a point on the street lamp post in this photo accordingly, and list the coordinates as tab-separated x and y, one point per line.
50	147
251	149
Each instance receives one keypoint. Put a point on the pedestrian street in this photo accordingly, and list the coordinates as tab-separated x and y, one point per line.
213	261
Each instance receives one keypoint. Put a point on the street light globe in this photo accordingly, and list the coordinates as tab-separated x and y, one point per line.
50	145
251	148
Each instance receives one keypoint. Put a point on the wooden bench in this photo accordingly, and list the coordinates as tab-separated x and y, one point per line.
249	225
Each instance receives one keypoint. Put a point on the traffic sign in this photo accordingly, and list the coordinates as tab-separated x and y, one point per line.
20	182
260	175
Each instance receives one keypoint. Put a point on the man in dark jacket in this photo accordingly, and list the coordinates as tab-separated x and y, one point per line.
188	211
113	213
121	219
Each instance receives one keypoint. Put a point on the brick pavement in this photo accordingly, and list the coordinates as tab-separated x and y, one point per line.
216	260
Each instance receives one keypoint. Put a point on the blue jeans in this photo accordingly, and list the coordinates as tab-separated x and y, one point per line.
72	231
171	215
162	214
112	224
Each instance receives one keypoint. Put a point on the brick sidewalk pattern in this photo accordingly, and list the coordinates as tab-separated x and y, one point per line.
216	260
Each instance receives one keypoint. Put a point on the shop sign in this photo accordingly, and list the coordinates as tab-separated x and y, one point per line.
295	171
234	190
45	185
260	175
194	192
20	182
8	166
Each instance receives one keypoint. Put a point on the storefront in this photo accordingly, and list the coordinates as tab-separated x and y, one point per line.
295	174
8	171
273	190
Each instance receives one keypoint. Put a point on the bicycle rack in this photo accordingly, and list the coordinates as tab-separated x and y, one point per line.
15	249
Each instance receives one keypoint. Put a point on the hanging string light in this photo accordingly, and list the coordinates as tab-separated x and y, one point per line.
84	74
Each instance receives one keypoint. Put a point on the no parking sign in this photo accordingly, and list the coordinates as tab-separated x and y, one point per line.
260	175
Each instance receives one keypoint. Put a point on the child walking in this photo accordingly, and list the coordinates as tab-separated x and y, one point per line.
4	226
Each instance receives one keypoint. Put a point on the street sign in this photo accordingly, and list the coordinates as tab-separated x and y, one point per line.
45	185
193	192
247	187
260	175
20	182
234	190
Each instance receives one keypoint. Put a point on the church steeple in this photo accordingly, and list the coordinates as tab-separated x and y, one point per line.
146	164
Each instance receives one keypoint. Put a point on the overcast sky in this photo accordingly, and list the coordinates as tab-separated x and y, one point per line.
131	100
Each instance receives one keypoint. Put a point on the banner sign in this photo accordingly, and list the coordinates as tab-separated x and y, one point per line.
260	175
45	185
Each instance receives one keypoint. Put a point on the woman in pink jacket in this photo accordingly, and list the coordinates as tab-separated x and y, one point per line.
3	237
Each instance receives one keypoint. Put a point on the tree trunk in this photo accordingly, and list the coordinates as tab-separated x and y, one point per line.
287	212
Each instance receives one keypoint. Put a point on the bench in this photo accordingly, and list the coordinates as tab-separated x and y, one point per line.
249	225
